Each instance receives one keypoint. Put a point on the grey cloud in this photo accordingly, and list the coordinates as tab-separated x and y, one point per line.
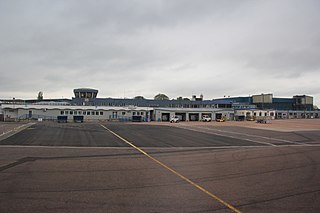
131	16
287	63
179	47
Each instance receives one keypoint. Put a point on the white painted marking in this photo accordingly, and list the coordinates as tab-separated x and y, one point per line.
229	136
250	135
244	134
15	129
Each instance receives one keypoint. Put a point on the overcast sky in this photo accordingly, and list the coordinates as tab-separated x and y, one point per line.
127	48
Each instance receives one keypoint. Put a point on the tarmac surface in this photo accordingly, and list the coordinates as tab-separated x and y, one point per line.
116	167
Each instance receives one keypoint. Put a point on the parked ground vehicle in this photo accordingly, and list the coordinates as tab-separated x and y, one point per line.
174	119
250	118
264	119
221	119
206	118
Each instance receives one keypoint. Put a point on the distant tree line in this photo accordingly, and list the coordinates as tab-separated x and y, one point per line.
161	96
40	96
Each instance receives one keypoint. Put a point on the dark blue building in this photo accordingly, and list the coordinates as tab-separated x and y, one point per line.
88	97
264	101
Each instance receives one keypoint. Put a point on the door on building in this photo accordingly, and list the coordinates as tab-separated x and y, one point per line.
231	116
152	118
114	115
30	114
194	117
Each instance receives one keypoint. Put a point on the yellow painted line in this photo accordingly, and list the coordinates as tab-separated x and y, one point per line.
174	172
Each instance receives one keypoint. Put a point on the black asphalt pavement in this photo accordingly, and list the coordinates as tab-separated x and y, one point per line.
64	134
52	167
168	136
93	135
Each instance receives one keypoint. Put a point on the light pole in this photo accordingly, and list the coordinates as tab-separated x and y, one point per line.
4	115
14	107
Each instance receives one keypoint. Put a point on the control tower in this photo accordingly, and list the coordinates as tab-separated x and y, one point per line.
86	93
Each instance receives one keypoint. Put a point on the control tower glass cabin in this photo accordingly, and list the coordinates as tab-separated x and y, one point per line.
85	93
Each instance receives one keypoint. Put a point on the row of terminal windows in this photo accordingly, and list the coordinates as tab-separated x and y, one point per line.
93	113
80	113
192	106
174	105
137	113
133	113
265	114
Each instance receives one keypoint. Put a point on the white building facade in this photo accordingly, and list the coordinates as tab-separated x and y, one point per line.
51	112
14	112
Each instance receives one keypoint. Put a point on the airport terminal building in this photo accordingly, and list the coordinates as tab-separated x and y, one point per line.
86	106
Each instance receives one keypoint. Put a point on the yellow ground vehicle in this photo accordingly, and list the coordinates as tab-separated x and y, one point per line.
250	118
220	119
